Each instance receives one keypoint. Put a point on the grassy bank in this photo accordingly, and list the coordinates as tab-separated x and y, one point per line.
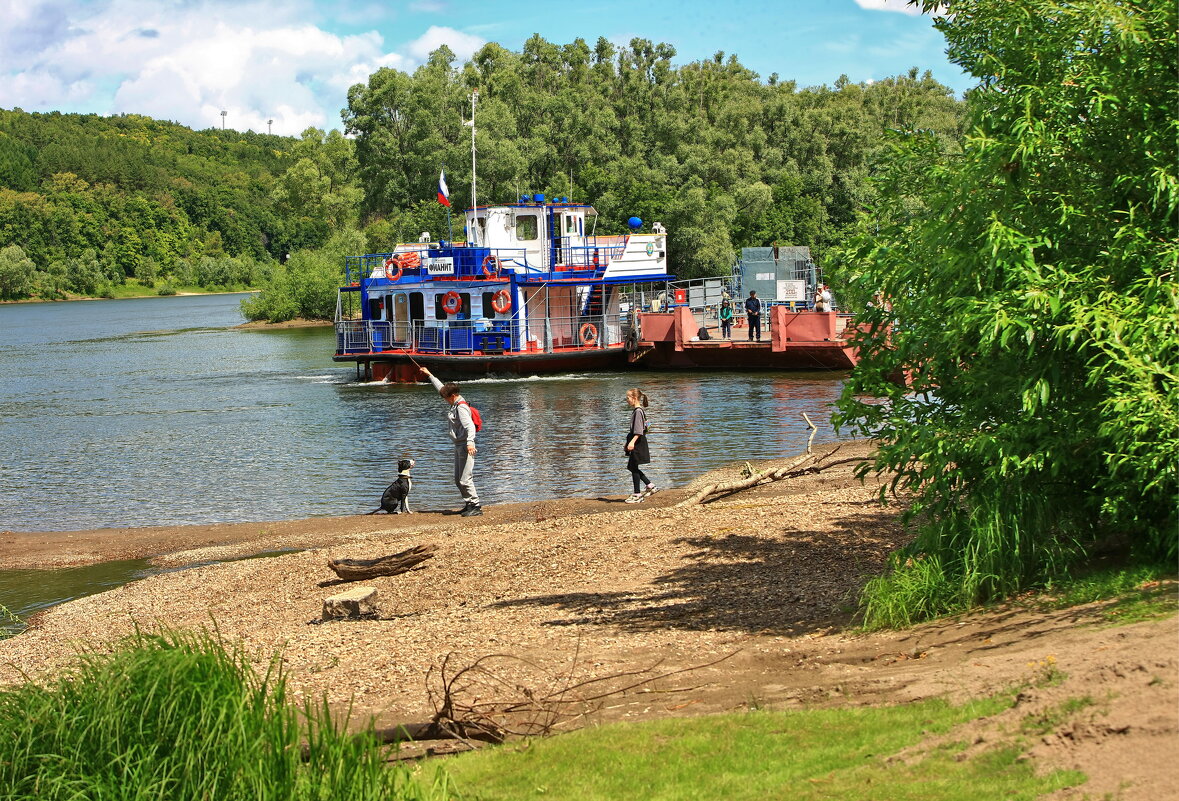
847	754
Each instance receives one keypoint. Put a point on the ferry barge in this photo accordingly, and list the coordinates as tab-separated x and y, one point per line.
536	291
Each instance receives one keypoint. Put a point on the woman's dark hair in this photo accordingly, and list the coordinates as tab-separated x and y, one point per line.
448	390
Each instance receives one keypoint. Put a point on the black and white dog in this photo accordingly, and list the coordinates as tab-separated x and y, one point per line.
396	497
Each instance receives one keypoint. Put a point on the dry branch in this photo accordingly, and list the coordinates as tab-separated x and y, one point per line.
476	702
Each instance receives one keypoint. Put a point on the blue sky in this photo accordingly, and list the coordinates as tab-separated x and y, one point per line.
292	61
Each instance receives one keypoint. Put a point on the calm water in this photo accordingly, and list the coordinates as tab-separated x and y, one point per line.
155	411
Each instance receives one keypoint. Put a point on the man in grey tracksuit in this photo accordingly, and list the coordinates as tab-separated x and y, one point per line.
462	432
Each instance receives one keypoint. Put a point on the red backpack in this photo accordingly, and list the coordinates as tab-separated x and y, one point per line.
476	418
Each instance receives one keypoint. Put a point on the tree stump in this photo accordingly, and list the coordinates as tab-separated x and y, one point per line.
353	604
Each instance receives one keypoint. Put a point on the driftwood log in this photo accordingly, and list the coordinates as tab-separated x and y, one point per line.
361	569
795	467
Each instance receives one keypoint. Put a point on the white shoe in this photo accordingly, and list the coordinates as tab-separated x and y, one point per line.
649	491
638	496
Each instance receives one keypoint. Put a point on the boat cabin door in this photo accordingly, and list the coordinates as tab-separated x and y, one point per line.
398	312
571	228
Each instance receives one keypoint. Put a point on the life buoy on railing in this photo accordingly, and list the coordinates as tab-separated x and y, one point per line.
410	261
390	263
588	334
492	265
501	301
452	302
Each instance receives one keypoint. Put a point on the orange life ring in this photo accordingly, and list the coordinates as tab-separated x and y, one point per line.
452	302
501	301
588	334
390	262
496	262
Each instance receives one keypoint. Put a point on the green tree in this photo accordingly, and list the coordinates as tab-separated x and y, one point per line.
1032	278
16	273
306	285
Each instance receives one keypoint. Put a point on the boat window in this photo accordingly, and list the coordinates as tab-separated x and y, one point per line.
465	313
417	306
526	228
488	309
439	313
375	305
570	224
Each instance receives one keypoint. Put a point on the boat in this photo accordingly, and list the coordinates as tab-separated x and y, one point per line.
536	291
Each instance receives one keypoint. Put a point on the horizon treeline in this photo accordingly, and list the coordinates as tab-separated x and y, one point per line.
723	158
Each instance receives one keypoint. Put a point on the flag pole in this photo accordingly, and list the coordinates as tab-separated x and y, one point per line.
449	227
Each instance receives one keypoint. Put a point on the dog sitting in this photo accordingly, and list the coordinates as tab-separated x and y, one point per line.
396	497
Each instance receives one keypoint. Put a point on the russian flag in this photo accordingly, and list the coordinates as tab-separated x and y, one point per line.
443	191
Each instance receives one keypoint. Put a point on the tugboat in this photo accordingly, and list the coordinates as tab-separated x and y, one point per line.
535	291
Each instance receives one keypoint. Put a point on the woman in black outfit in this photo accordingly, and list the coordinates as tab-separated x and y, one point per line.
636	447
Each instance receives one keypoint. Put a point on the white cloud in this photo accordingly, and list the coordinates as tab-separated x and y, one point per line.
188	60
464	45
890	5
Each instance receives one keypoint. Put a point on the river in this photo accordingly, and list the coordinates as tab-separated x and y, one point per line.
155	411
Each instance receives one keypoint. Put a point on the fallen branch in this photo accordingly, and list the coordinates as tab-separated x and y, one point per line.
788	470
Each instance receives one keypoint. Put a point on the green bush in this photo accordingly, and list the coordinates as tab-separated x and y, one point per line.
178	716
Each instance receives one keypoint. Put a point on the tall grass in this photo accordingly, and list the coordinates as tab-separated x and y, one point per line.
966	556
180	716
968	553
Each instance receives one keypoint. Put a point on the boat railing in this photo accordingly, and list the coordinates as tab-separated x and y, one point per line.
709	318
435	260
482	336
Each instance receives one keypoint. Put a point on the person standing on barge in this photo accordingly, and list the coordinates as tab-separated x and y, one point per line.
462	433
753	312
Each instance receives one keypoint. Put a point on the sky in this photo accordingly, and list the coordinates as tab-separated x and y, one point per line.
287	64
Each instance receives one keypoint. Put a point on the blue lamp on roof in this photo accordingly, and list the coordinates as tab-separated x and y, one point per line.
635	223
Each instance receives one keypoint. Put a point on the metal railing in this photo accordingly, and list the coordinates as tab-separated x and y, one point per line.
576	261
546	334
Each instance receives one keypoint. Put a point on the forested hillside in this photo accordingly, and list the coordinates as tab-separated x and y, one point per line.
723	157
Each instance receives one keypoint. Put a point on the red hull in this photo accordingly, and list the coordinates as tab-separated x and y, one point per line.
401	367
745	356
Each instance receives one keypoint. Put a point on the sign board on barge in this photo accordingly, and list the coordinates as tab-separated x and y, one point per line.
439	265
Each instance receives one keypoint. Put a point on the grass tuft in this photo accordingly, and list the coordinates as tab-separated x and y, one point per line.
179	716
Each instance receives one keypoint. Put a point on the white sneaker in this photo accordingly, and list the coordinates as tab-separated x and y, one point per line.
638	496
649	491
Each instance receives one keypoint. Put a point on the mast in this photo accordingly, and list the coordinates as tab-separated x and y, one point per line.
474	202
